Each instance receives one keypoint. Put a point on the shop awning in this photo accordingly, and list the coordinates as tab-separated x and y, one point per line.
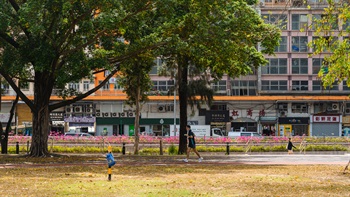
271	119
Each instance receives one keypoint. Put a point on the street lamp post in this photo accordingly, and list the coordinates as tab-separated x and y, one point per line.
174	104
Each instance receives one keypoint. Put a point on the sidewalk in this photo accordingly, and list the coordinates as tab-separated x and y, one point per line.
209	159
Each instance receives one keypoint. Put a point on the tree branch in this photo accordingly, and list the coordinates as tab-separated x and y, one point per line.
17	89
9	40
88	93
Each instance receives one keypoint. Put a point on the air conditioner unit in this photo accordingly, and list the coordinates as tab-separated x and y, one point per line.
347	110
123	114
105	114
69	110
161	108
78	109
88	110
131	114
114	114
335	106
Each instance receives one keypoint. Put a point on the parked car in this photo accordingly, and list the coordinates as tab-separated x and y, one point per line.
78	134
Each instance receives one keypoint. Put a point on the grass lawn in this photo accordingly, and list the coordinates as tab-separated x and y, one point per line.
173	180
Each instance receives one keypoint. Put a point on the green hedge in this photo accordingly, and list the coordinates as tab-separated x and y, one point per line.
173	149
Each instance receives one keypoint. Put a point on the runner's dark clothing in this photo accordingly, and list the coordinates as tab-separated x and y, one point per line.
191	141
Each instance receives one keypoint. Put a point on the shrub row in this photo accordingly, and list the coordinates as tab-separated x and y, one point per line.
173	149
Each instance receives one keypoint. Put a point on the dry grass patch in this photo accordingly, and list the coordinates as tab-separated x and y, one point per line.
177	180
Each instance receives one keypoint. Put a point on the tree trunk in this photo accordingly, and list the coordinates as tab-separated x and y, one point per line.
183	81
137	120
5	135
39	145
41	115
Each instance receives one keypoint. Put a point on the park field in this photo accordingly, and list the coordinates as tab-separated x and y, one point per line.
59	177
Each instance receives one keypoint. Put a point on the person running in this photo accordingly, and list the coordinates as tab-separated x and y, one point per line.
290	146
191	144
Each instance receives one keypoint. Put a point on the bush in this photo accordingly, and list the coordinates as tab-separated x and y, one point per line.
173	150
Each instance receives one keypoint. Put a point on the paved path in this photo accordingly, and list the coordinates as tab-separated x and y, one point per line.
233	159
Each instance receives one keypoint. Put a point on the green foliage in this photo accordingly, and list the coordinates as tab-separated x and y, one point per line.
338	62
172	149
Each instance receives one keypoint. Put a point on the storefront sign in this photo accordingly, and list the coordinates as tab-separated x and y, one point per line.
80	119
217	116
326	119
56	116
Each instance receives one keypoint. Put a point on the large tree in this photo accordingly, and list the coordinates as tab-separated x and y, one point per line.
50	43
332	44
215	38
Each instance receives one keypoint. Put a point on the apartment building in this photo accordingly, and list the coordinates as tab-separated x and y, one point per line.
283	98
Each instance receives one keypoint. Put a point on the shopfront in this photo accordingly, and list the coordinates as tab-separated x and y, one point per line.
326	125
346	126
267	125
218	119
293	126
125	126
80	124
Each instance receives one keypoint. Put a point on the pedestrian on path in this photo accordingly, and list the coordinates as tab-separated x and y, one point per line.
290	146
191	144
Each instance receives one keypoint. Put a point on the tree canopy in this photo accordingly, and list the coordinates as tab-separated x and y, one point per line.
213	38
333	43
51	43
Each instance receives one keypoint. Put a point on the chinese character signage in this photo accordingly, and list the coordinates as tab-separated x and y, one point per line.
217	116
80	119
326	119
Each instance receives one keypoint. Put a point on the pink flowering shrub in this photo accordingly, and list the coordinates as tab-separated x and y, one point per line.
175	139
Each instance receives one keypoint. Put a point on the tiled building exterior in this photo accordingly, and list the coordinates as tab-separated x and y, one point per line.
283	98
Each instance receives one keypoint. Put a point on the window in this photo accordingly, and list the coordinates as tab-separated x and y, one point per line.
317	85
345	86
283	45
318	107
163	86
328	40
299	21
316	17
117	86
218	107
316	65
279	20
157	64
219	87
282	107
273	85
299	44
275	66
86	85
299	66
106	86
74	86
299	108
299	85
240	88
